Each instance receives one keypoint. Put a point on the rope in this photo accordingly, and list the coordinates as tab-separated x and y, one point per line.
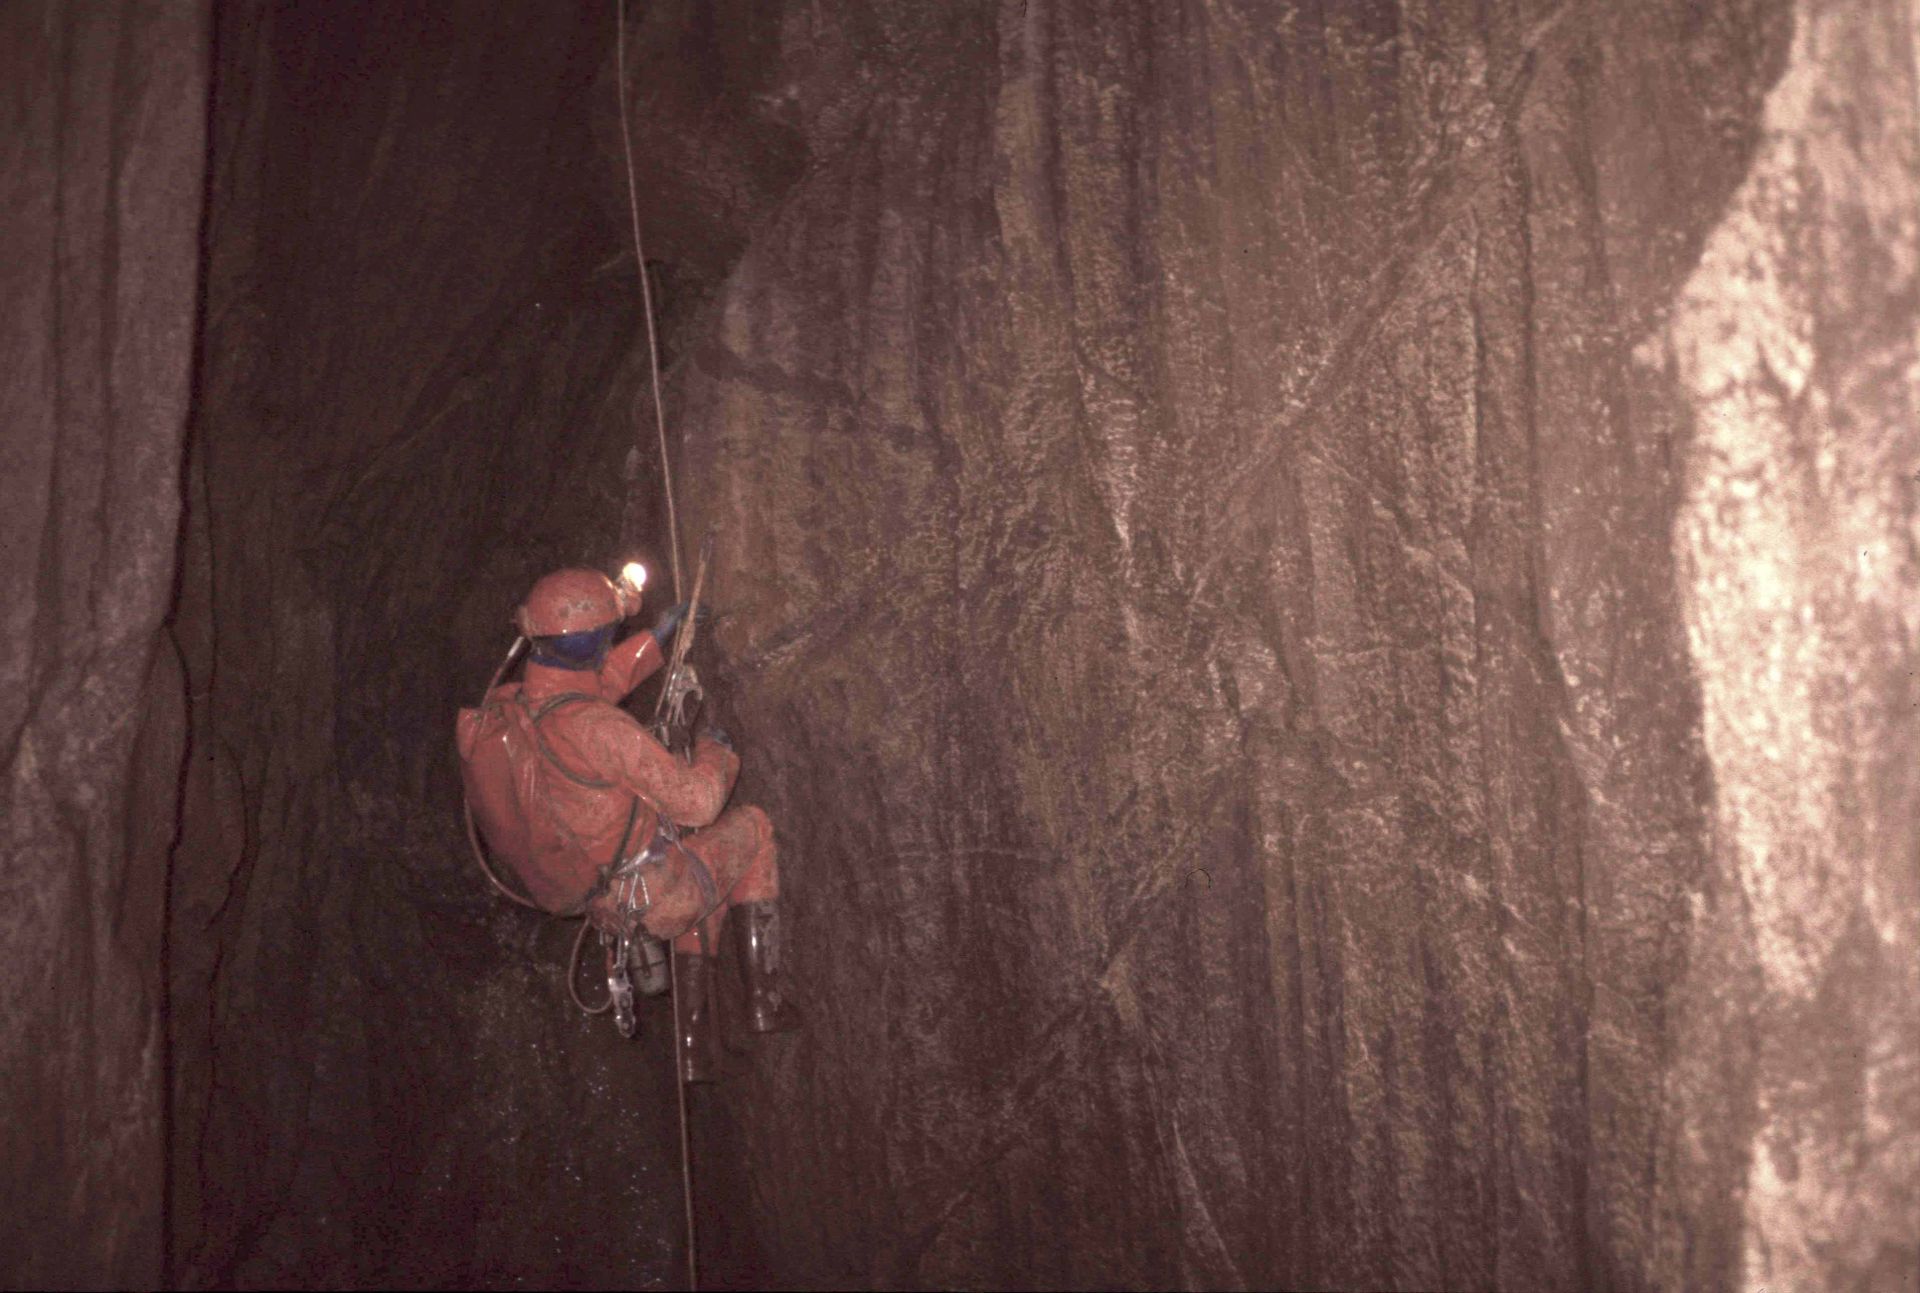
680	1087
673	534
646	299
672	696
573	974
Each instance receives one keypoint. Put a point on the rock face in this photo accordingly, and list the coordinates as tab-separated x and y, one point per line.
1325	597
102	141
1800	545
1309	651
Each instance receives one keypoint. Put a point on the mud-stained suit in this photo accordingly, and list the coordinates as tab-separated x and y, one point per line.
588	784
597	818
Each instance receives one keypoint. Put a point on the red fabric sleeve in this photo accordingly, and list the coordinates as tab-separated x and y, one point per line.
629	664
625	753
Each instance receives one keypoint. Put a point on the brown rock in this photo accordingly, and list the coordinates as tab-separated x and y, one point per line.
1200	547
1799	538
101	151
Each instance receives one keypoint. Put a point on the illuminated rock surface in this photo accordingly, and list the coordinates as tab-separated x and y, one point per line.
1800	547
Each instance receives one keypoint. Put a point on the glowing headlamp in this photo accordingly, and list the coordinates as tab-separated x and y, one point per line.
634	574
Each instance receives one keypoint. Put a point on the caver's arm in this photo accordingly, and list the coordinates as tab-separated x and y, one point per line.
625	753
629	664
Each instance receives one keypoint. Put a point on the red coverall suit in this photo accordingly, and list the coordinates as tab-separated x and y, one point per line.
595	778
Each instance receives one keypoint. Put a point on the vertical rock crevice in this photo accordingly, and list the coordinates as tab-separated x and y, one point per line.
420	389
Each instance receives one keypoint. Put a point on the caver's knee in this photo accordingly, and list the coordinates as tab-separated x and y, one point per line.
761	881
762	829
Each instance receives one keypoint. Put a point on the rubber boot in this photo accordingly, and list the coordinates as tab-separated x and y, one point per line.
767	1009
699	1035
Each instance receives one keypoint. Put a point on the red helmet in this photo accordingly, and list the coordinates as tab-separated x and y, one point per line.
569	601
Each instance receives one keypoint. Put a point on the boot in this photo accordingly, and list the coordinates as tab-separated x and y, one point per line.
699	1037
767	1009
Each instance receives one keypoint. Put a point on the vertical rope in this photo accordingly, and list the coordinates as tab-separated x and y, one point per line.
673	536
646	298
680	1088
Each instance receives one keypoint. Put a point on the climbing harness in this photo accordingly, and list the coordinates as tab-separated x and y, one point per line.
627	944
622	936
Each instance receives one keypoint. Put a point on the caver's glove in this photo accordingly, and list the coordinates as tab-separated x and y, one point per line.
669	621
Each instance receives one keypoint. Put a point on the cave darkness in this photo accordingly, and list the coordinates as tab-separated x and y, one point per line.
1325	597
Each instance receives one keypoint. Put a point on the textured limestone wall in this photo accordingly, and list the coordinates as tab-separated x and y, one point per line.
1235	600
102	136
1796	343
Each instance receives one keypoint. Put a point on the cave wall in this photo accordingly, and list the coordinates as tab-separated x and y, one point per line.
1308	656
1794	341
102	144
1325	596
419	366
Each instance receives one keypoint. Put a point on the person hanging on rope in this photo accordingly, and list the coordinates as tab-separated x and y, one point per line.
598	818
